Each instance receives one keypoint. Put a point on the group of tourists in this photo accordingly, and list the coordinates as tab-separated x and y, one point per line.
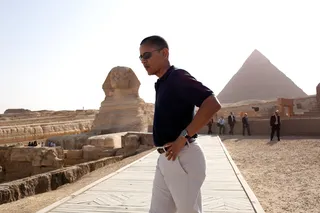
275	123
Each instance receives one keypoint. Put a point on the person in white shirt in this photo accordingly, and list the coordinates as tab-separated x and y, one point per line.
221	125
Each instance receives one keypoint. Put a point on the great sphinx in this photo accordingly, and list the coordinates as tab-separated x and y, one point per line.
122	109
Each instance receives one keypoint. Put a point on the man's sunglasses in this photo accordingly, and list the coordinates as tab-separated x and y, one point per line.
147	55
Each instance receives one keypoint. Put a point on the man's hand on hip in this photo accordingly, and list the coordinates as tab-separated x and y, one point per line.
175	147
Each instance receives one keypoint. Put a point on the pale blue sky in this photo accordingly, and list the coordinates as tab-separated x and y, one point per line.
55	54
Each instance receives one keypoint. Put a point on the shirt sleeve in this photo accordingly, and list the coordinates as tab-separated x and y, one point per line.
191	90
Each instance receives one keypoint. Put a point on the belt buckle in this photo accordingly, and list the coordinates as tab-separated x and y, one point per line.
161	150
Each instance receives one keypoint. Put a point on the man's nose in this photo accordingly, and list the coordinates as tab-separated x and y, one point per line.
144	61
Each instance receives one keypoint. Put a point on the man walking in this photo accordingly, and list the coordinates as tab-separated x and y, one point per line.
275	124
231	122
181	166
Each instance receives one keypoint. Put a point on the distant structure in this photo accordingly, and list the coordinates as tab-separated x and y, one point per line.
16	111
259	79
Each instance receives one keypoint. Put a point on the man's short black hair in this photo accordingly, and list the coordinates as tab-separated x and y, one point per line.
156	41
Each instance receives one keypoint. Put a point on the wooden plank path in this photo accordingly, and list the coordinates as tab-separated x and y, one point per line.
129	190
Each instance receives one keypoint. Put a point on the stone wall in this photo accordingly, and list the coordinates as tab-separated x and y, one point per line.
23	161
289	127
31	132
302	105
96	146
266	108
45	182
78	141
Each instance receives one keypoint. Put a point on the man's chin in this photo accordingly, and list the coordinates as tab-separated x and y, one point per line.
150	72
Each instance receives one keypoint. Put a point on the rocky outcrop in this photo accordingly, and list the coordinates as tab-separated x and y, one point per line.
9	134
19	162
259	79
122	109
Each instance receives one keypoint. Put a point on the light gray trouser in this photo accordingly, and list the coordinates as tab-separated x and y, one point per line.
176	186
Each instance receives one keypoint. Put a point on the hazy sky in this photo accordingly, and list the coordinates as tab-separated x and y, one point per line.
56	54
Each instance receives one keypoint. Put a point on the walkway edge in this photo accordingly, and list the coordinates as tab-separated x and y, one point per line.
59	202
252	197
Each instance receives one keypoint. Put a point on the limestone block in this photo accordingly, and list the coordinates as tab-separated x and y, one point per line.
106	141
146	139
91	152
127	151
122	109
130	140
108	153
74	154
20	162
69	141
51	159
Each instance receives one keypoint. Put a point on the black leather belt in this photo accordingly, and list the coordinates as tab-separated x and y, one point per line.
163	149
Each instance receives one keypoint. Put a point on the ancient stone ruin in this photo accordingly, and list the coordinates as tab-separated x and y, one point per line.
259	79
122	109
36	125
19	161
118	130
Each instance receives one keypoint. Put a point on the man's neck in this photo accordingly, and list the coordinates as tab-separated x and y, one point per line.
163	70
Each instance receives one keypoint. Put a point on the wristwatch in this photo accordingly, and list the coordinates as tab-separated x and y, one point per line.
185	134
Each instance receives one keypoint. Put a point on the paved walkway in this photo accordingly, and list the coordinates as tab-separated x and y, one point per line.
129	189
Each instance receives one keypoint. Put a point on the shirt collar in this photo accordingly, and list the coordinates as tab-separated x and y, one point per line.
166	75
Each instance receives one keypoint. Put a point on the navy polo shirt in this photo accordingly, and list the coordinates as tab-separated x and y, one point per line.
177	94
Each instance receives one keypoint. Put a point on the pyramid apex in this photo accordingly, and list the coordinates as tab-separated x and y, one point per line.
256	57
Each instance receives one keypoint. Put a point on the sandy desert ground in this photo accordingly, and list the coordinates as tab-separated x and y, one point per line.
34	203
283	175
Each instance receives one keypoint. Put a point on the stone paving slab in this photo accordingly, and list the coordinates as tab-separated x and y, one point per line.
129	189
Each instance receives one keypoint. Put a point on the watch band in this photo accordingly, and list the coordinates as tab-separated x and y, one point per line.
185	134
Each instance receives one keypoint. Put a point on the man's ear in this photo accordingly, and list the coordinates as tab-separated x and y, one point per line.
165	52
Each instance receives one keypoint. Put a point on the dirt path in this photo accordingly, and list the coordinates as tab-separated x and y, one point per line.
34	203
284	176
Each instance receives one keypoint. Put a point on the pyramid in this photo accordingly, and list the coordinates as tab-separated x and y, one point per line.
259	79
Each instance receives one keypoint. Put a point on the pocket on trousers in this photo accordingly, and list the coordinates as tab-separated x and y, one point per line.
180	167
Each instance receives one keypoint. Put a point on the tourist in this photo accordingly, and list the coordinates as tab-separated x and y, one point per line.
181	166
210	123
231	122
221	125
245	125
275	124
